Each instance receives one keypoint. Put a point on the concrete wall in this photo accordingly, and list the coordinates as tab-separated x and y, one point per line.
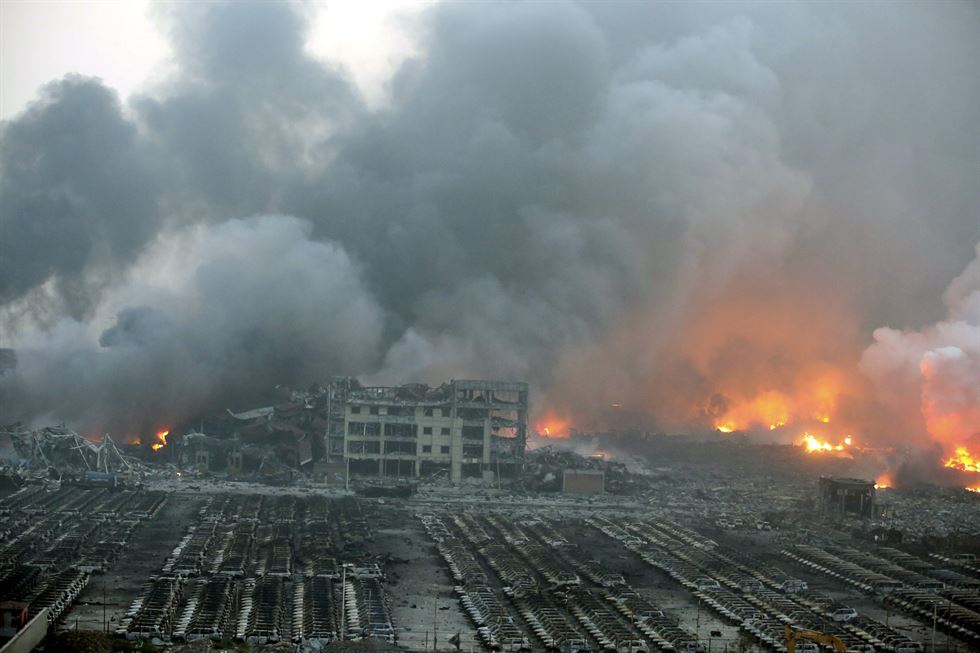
29	636
583	481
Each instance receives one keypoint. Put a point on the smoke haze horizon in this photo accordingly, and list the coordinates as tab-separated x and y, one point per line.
713	215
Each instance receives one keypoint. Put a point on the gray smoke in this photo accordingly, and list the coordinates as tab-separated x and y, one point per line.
555	192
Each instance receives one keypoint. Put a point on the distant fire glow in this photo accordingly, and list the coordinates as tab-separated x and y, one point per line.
161	440
814	401
553	427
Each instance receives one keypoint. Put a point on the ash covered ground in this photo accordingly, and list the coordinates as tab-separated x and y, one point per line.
688	545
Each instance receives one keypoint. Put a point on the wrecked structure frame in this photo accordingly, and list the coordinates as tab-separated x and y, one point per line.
461	429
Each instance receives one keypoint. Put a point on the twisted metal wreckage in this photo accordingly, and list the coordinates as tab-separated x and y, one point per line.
59	448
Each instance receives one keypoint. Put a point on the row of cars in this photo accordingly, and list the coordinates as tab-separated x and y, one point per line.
760	599
483	602
53	537
527	588
267	569
954	608
544	554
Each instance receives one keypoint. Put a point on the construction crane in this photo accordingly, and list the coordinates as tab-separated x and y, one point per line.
793	634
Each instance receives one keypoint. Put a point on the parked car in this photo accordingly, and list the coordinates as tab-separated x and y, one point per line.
708	584
794	585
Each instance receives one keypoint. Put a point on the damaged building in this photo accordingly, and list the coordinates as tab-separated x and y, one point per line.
847	497
459	430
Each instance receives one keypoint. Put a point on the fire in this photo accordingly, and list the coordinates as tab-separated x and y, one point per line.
771	409
813	400
161	440
553	427
883	482
973	489
963	461
812	444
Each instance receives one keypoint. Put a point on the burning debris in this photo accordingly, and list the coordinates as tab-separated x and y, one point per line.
161	440
963	461
812	444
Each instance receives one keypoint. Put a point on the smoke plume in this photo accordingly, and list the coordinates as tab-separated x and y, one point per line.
698	213
932	376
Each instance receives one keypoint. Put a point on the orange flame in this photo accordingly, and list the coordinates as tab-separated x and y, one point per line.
812	444
161	440
963	461
814	399
553	427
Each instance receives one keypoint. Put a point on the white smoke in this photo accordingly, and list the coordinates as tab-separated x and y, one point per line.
936	369
209	316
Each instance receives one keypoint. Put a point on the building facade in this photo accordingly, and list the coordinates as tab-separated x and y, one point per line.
459	430
846	497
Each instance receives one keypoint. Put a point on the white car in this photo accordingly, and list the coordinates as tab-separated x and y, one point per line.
861	648
908	647
793	586
708	584
844	614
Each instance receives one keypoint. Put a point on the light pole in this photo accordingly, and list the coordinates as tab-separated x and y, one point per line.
343	601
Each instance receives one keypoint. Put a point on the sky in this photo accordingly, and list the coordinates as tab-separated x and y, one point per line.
121	42
738	215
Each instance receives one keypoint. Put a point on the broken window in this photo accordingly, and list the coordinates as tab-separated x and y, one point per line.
444	448
401	411
427	430
400	430
364	428
472	432
445	430
471	470
396	446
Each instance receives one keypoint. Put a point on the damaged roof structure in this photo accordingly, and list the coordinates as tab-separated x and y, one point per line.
59	448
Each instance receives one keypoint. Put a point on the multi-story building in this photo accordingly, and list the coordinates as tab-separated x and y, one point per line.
461	429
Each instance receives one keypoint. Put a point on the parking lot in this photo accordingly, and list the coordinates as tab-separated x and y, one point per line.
306	569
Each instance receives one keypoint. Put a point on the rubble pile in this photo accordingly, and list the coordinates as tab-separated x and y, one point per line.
61	451
544	468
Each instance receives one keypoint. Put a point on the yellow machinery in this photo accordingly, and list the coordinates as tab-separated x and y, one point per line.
793	634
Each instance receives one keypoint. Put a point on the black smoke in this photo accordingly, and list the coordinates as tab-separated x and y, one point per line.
549	183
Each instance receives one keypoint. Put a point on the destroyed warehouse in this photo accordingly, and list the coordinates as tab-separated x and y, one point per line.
458	430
